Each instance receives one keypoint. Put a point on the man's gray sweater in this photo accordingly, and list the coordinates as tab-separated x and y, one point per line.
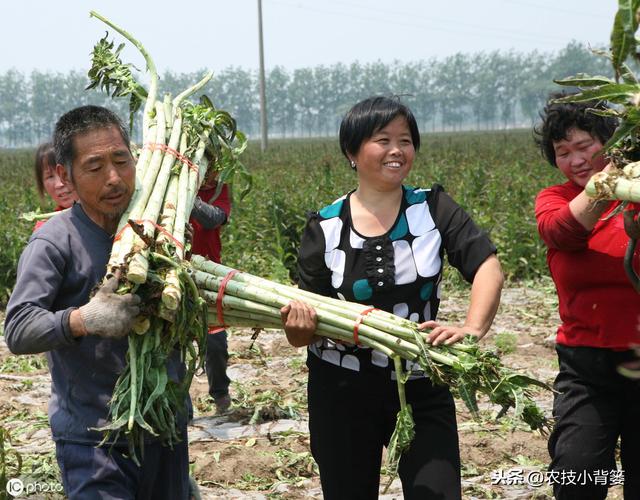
62	263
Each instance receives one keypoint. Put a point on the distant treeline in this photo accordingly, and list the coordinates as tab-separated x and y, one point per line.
463	91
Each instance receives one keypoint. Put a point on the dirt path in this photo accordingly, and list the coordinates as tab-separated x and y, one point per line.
260	449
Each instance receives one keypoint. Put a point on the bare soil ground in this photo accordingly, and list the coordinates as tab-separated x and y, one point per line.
260	448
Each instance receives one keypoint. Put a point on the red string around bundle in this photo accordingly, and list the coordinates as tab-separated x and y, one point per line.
158	227
359	319
179	156
220	296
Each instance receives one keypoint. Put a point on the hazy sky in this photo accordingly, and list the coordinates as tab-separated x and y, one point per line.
188	35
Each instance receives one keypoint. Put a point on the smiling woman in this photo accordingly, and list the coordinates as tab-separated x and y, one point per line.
382	245
579	156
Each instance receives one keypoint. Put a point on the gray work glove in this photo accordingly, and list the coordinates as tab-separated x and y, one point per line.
108	314
209	216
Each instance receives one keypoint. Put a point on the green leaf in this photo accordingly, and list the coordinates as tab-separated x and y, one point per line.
111	75
626	129
619	93
521	380
582	80
468	396
605	112
623	41
627	75
205	101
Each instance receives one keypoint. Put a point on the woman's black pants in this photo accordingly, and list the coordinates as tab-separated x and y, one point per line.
594	407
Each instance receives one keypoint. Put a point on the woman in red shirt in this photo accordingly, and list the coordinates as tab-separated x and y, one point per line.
599	310
210	213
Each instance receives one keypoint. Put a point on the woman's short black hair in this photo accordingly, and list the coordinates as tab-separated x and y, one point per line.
368	116
45	158
559	118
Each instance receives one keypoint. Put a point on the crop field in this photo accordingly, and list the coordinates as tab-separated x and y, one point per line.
260	449
495	176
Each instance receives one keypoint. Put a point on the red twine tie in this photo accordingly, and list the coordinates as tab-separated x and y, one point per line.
359	319
176	154
220	296
158	227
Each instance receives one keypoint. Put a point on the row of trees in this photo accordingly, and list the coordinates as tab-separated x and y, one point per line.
470	91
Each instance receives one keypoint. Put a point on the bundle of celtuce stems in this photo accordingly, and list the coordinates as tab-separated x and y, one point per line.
618	184
150	245
243	300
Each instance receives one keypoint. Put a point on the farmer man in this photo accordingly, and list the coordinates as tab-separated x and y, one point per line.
52	309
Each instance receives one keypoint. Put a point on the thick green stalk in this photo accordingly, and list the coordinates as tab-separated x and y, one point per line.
182	210
172	294
467	369
632	170
187	186
344	319
133	368
273	296
168	111
154	204
139	265
145	156
196	177
404	431
603	186
141	165
192	90
403	337
254	294
35	216
168	212
381	320
138	204
157	154
245	319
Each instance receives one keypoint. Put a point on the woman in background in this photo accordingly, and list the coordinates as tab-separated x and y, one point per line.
49	182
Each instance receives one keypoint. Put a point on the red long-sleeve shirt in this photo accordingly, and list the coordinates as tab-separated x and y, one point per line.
206	242
598	305
40	222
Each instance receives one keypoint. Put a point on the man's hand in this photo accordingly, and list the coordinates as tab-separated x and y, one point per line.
299	321
108	314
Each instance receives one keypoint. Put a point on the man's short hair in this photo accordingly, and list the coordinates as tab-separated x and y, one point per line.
79	121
